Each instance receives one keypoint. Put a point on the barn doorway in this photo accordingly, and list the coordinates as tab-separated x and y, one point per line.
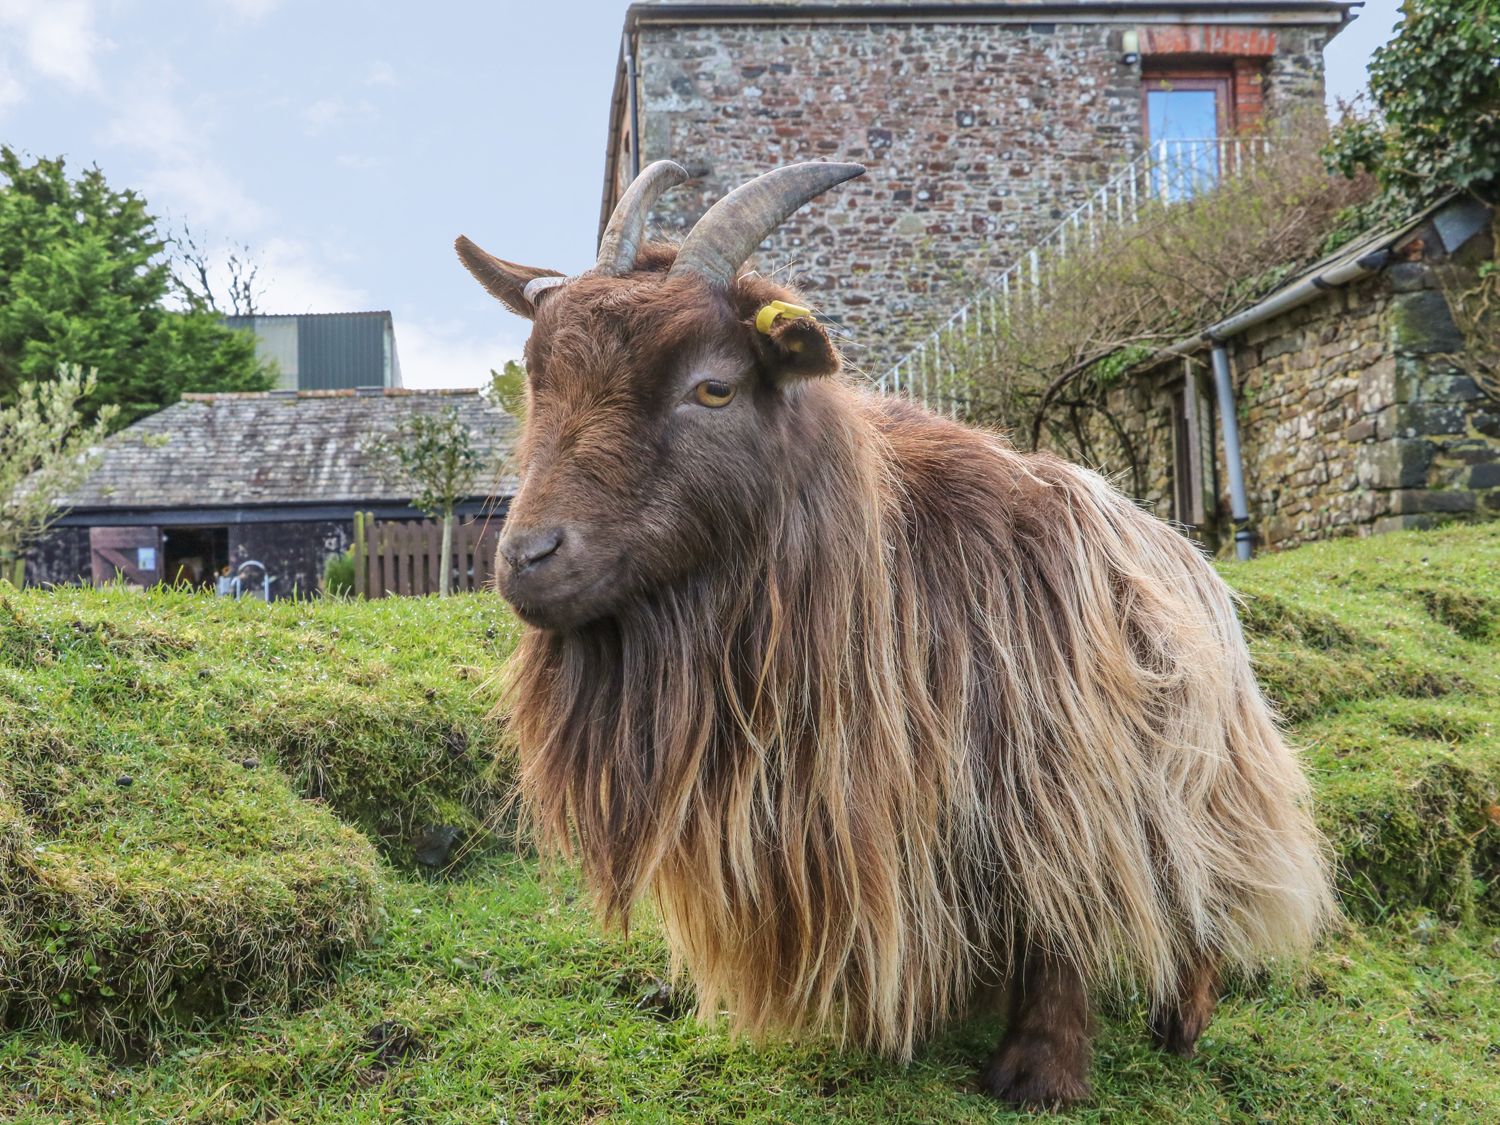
194	556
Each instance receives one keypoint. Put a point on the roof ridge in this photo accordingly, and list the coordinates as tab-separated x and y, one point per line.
342	392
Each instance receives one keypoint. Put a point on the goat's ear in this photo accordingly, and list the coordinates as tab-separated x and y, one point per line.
801	349
501	279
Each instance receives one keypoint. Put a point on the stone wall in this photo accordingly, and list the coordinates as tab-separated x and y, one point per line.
1354	419
979	138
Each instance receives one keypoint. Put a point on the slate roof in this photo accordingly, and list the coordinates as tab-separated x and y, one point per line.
279	447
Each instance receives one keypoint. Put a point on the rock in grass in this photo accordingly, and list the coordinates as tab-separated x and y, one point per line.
433	845
391	1042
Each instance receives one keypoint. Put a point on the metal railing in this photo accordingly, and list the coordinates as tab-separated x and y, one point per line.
1166	172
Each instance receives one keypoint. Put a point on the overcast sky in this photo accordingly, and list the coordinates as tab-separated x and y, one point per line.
347	142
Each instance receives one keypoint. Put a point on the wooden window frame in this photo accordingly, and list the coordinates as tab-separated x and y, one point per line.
1220	80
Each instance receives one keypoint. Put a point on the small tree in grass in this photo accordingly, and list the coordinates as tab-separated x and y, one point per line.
46	448
435	455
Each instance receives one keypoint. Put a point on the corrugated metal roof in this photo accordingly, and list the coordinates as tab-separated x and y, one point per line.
280	447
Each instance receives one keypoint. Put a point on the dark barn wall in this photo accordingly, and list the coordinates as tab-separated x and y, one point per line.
61	559
293	553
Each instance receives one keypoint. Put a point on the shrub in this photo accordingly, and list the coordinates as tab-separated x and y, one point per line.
338	574
1138	286
1435	120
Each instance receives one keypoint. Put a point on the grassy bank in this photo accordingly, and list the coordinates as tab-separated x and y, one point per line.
195	795
489	993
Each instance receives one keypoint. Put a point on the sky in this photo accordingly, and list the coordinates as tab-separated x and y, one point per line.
347	143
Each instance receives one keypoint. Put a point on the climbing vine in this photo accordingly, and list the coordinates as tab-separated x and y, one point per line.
1433	123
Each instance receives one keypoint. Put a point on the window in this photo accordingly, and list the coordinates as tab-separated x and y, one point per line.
1186	114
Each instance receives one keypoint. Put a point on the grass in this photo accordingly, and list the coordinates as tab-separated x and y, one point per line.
195	794
489	993
1383	653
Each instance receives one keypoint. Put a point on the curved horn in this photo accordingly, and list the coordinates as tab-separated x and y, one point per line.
723	240
627	226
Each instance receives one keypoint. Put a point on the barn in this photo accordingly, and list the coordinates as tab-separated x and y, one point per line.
218	480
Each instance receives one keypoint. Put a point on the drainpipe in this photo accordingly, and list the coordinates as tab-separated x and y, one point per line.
630	100
1239	506
1341	272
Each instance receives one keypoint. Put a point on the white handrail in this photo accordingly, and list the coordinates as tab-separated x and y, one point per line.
1168	170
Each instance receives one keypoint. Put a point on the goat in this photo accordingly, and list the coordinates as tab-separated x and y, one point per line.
882	713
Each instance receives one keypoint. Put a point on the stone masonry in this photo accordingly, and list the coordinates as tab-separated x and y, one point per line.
980	132
1354	418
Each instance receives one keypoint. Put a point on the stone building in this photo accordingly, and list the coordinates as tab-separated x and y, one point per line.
219	479
982	124
1360	403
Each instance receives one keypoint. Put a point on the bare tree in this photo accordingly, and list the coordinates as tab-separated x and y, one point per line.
194	267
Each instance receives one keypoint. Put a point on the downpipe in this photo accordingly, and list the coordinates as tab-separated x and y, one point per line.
628	49
1239	506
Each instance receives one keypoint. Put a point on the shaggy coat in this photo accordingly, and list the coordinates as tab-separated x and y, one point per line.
915	699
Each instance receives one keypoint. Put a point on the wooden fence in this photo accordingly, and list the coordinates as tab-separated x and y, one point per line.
405	557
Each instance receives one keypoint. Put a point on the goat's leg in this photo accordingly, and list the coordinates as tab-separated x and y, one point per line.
1176	1024
1043	1059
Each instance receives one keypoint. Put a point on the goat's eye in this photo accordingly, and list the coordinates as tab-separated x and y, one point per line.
711	392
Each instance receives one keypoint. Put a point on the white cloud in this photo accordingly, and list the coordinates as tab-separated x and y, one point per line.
326	114
11	90
57	39
205	195
322	115
149	116
445	354
297	281
381	73
251	9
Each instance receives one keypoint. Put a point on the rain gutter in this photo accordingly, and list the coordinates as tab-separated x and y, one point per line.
1368	256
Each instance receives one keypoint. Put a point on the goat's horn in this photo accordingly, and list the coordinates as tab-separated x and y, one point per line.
627	226
723	240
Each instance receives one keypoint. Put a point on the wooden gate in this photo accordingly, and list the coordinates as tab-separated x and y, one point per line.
405	556
131	553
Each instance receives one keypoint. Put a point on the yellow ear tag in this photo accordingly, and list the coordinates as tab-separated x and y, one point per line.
770	314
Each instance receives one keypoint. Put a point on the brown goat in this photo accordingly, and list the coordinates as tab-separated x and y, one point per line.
879	711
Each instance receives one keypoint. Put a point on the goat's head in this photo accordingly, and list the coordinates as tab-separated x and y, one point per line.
662	396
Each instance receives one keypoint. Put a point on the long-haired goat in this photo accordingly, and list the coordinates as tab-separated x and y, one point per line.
879	711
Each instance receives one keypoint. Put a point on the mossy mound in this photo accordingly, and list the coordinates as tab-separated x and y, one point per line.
194	794
1382	652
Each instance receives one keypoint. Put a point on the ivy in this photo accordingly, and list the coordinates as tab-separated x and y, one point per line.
1435	89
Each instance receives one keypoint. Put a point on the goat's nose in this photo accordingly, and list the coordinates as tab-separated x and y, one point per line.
523	548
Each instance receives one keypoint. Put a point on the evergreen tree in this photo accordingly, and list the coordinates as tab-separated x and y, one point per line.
83	280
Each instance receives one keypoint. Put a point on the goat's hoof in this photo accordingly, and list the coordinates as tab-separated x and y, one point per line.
1178	1034
1033	1073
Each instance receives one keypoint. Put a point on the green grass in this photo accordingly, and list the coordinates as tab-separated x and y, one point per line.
490	994
1383	652
194	794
